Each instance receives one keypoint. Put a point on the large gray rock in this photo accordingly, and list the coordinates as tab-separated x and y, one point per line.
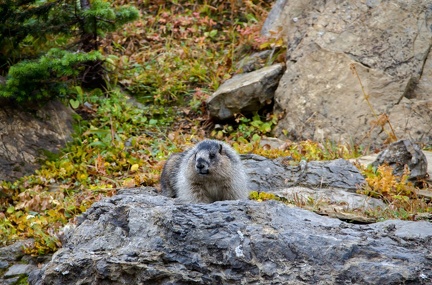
268	175
25	135
389	45
245	93
138	237
326	187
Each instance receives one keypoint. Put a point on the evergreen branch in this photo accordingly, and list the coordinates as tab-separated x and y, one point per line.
59	40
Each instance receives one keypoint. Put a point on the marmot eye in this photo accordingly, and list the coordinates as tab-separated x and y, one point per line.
212	155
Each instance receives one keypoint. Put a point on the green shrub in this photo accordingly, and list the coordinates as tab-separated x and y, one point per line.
47	46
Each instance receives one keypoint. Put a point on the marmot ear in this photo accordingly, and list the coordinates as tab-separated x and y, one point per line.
220	148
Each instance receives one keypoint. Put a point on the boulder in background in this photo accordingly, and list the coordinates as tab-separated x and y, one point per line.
388	43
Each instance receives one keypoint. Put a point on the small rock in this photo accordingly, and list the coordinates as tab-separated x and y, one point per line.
401	153
3	264
14	251
245	93
19	269
218	127
273	143
10	281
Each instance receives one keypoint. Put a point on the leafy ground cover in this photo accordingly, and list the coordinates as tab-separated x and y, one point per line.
170	60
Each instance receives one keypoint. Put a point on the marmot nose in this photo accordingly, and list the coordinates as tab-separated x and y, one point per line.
200	163
201	167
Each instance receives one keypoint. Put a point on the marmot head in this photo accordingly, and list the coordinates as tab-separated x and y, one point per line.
208	157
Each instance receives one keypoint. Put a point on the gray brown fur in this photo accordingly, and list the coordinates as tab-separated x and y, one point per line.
168	174
210	171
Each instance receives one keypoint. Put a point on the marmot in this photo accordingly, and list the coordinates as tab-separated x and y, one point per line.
210	171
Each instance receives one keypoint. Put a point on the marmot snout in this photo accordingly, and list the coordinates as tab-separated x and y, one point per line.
210	171
207	157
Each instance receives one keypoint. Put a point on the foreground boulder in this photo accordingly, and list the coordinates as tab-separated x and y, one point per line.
139	237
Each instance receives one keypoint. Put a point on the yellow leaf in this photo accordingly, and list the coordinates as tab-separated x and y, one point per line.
129	183
52	213
134	167
21	227
83	208
82	176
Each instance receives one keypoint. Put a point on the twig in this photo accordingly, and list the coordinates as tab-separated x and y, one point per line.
379	119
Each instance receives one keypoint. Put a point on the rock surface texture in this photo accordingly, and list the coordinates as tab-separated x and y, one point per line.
15	265
269	175
26	134
245	93
402	153
388	43
139	237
